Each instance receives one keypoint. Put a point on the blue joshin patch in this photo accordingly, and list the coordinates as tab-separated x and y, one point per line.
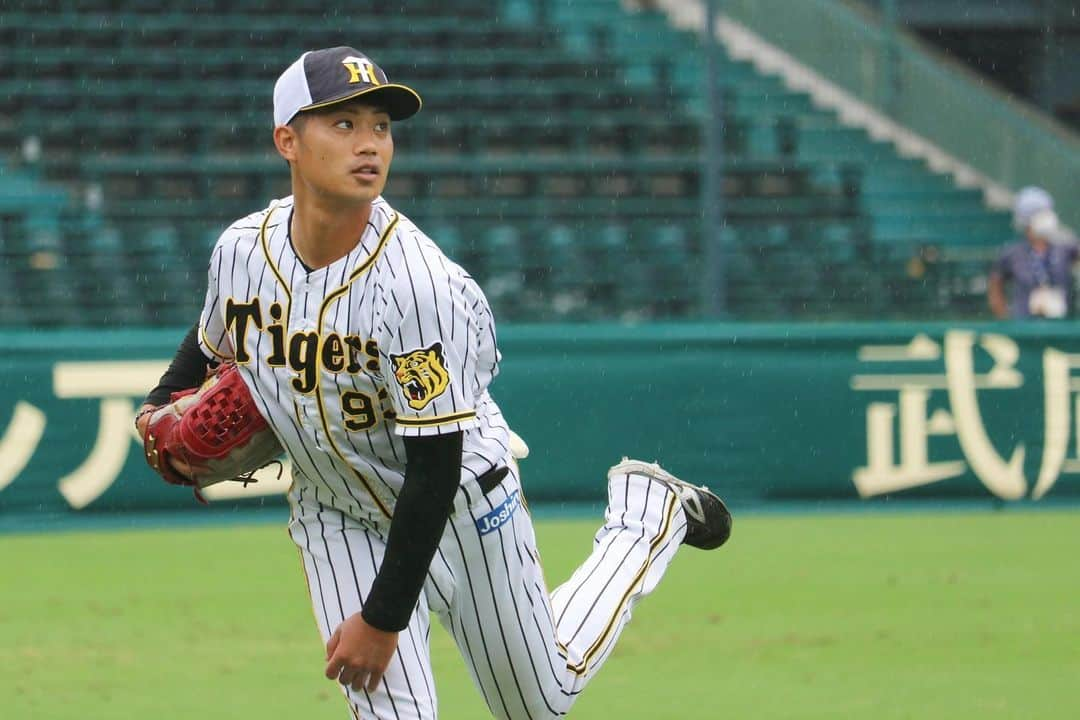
499	515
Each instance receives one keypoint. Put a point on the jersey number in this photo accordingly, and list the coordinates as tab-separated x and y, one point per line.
359	410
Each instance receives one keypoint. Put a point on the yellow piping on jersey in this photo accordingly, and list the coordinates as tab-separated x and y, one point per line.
273	268
364	266
436	420
386	233
210	346
583	667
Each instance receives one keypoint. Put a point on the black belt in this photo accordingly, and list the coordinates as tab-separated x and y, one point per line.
491	479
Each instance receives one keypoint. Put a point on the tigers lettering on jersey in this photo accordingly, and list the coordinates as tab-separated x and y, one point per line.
303	352
314	347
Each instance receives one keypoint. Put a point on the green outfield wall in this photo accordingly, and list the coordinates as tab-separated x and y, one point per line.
763	412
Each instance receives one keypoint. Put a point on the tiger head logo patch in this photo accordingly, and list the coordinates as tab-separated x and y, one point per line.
422	375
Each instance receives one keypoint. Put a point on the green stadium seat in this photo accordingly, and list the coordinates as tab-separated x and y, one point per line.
564	274
635	292
606	250
751	290
577	191
836	242
49	291
518	12
739	256
502	262
44	238
12	312
157	241
948	202
669	258
448	238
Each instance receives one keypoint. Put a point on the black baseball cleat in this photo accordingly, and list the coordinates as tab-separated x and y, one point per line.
708	522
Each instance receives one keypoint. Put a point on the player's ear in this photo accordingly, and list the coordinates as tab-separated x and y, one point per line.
285	140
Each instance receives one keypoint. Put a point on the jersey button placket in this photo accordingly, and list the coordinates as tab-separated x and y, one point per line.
299	322
304	323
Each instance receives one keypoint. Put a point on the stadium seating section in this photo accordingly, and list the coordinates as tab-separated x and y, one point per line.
558	157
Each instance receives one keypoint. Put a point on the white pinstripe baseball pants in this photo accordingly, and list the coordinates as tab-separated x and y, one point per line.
529	653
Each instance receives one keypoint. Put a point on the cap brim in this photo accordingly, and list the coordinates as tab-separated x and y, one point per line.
400	101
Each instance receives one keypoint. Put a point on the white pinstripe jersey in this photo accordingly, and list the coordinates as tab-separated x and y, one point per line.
392	340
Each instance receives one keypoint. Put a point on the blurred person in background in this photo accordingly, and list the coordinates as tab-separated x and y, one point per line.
1038	267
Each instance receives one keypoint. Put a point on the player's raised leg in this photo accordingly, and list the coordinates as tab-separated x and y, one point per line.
649	514
531	654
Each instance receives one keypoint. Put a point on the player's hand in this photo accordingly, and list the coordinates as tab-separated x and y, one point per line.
140	424
358	654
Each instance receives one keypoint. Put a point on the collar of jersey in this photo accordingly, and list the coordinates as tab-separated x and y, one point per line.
372	240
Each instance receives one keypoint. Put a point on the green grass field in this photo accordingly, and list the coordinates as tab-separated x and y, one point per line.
799	616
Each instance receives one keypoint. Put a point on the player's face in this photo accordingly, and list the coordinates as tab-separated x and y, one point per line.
344	153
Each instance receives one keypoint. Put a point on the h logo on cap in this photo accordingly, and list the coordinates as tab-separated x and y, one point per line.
360	70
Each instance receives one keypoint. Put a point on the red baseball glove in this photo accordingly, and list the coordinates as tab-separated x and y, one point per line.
216	430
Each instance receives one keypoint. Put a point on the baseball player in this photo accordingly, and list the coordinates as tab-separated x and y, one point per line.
370	354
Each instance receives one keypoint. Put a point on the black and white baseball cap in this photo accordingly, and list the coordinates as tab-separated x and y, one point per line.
324	77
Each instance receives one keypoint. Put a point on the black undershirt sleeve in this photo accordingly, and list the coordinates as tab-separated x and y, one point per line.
432	477
187	370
